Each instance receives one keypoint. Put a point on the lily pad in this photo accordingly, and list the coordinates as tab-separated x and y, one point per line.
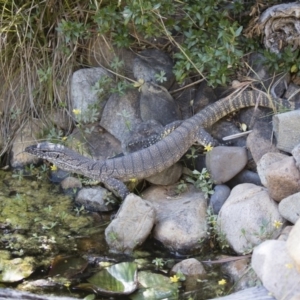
155	287
119	279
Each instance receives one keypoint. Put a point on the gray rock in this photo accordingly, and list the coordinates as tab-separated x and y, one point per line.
286	129
71	183
264	163
245	176
296	155
285	233
101	144
225	128
293	92
192	269
247	217
259	141
82	94
218	198
157	104
151	62
252	116
168	176
185	98
289	208
293	245
276	269
204	96
121	114
131	226
58	175
180	219
101	52
96	199
282	179
189	267
95	142
223	163
61	119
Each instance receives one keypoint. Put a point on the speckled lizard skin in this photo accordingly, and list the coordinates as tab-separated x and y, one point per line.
161	155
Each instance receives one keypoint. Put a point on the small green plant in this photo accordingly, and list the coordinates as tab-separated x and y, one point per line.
117	64
181	187
285	61
126	116
192	155
44	76
160	77
120	88
79	210
159	262
215	237
63	215
15	113
30	168
265	232
109	199
202	181
113	235
102	86
72	31
19	174
54	134
19	197
50	226
90	115
48	209
42	172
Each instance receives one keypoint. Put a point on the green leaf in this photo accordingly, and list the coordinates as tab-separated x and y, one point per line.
155	287
119	279
238	31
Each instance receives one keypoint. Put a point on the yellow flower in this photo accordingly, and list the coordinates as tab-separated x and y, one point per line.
289	266
208	147
174	278
64	138
277	224
76	111
133	180
67	284
222	282
53	168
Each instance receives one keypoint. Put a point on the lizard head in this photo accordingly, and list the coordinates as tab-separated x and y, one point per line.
45	150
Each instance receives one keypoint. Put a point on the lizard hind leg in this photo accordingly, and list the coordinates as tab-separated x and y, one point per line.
204	138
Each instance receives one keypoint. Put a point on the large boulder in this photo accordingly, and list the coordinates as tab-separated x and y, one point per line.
248	217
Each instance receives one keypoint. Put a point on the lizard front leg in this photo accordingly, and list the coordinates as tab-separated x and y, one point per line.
116	186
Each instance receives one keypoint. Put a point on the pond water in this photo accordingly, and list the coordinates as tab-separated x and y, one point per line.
49	245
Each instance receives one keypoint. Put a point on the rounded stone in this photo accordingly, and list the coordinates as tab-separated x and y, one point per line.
223	163
189	267
218	198
150	63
